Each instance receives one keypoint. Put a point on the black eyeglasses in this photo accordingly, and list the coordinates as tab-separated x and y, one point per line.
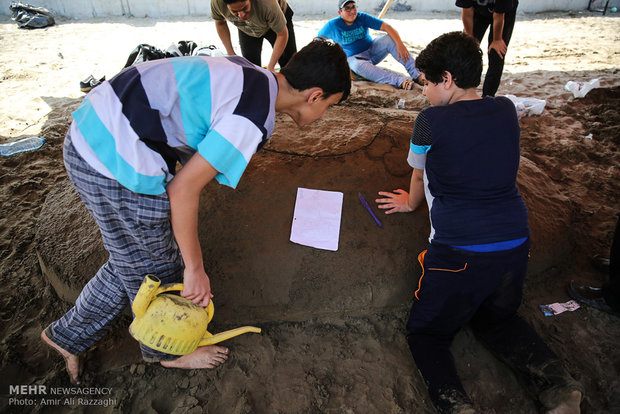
349	8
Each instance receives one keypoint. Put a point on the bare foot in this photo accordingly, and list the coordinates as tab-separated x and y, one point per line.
73	363
570	404
203	357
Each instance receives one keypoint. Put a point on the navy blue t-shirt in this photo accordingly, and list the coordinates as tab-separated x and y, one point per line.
469	151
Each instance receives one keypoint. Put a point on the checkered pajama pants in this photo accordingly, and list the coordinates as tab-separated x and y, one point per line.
137	234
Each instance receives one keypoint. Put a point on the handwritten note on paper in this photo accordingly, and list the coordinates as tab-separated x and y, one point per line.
316	220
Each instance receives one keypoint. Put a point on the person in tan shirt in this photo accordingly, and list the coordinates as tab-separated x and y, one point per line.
257	20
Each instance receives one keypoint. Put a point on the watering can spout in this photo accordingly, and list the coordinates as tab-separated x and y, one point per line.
210	339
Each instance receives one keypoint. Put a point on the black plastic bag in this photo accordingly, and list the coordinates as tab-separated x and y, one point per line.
182	48
144	52
30	17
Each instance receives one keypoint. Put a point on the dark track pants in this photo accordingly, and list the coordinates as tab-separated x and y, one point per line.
496	63
485	289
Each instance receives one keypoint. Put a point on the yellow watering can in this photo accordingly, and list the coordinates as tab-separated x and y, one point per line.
171	323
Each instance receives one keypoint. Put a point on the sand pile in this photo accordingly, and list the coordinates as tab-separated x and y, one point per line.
332	322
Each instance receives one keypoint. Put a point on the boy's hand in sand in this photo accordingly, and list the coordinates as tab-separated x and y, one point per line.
396	202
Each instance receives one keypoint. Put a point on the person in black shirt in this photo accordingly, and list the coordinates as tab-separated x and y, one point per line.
500	15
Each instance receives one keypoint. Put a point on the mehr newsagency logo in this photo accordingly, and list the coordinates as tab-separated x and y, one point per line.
42	395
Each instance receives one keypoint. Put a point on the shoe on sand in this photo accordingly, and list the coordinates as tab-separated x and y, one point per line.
600	263
590	296
89	83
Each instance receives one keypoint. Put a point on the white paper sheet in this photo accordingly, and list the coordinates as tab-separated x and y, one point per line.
316	220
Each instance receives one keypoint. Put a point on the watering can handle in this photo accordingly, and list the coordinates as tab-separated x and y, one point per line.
179	286
150	288
169	287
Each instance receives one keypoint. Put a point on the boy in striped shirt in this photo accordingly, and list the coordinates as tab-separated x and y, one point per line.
121	152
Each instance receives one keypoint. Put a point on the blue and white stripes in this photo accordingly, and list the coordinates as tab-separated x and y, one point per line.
137	126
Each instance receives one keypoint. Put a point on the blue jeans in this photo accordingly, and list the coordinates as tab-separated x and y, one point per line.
364	63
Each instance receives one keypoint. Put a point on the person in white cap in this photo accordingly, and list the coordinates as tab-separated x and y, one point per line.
351	30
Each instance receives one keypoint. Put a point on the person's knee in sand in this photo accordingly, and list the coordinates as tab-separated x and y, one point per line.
209	114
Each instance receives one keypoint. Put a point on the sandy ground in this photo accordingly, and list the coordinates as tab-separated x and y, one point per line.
333	322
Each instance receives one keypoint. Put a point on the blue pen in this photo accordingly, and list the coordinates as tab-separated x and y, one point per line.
368	208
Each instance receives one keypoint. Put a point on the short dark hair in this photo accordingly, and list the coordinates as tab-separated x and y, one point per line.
453	52
321	63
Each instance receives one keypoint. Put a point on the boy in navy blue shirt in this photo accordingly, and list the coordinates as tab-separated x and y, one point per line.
465	156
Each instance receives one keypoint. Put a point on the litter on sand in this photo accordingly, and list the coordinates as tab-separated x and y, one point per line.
527	106
557	308
580	89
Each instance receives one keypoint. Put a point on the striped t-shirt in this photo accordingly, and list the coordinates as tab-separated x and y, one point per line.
137	126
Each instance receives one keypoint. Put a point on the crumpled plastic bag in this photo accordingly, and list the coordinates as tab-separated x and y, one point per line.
580	89
144	52
210	50
527	106
30	17
181	48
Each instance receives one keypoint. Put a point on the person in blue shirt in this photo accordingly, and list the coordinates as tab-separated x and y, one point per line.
351	31
465	156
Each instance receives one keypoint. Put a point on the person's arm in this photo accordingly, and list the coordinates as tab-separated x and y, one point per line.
400	201
184	192
467	15
278	48
224	33
498	43
403	53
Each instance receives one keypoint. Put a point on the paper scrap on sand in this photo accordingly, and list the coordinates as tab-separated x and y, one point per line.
557	308
316	220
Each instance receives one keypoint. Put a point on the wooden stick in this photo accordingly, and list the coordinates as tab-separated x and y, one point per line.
385	9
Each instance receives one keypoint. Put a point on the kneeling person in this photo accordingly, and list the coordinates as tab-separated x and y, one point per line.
465	156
